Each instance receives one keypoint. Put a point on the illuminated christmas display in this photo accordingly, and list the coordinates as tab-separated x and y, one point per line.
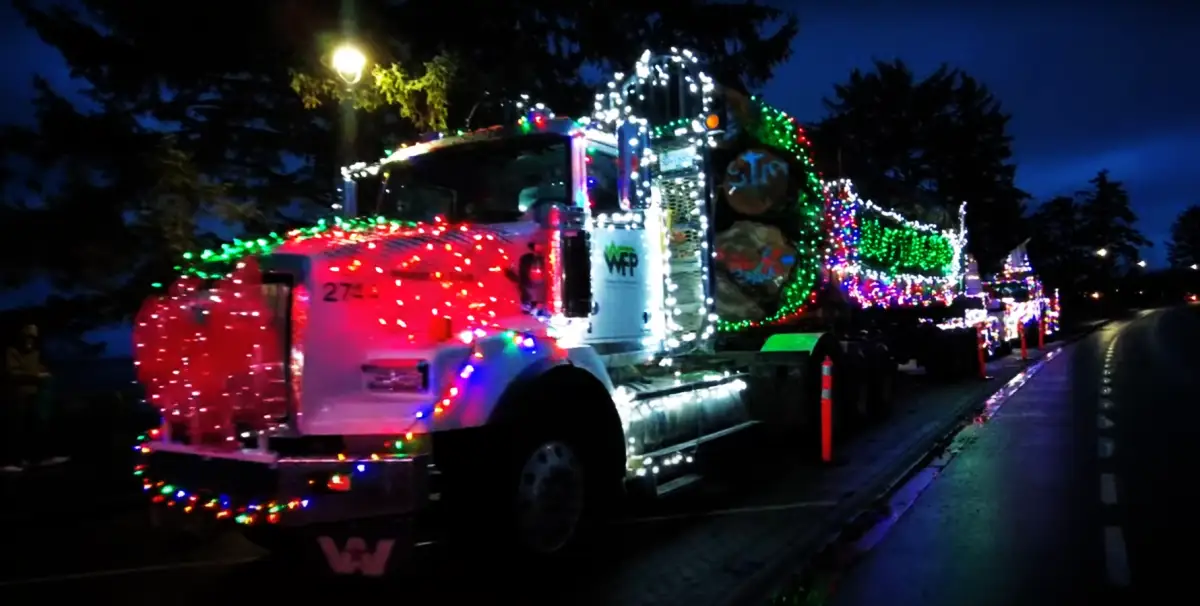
884	259
486	257
1020	297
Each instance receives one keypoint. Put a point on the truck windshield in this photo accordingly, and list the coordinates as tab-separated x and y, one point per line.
488	181
1017	291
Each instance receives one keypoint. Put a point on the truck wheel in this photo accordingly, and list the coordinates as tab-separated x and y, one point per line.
547	494
882	385
550	497
852	385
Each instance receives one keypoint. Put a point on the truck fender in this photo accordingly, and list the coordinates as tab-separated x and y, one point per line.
784	371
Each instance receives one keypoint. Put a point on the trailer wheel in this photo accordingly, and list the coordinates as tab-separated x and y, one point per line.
852	386
883	384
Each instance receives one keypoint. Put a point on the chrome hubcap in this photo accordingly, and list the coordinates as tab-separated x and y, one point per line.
549	497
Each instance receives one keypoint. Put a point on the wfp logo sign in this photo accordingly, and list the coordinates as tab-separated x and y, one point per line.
621	260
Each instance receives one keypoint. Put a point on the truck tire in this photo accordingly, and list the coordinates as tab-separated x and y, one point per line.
952	355
852	392
882	383
544	498
540	476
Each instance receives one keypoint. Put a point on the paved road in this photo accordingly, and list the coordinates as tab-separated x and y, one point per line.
1072	493
700	548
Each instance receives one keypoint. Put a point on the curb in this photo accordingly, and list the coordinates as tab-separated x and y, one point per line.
865	506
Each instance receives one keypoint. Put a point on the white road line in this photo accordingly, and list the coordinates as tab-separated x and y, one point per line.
1108	489
735	511
1116	558
99	574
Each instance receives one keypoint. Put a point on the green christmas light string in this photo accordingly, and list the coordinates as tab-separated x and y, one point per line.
214	264
897	250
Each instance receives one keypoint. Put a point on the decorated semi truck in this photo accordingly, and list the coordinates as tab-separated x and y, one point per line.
1021	300
1017	301
511	329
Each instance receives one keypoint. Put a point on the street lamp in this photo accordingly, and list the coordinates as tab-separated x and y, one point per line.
348	63
1141	263
1103	252
1195	267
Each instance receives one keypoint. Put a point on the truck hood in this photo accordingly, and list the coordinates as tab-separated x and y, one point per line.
390	239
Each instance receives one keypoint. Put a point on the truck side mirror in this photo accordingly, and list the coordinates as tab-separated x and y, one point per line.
544	214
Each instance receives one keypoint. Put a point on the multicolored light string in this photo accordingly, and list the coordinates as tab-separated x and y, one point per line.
882	258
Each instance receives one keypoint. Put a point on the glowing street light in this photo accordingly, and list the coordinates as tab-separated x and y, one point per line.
1141	264
349	63
1103	252
1195	267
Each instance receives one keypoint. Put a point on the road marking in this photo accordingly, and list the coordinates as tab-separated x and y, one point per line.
730	512
1116	558
1108	489
99	574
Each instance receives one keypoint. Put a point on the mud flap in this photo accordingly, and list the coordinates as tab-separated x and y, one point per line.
775	391
370	549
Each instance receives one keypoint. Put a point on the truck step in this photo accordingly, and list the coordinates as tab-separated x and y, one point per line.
671	486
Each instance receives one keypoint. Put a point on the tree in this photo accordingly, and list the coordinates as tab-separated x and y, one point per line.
1183	250
1107	223
511	47
225	117
108	204
1057	249
1069	231
923	147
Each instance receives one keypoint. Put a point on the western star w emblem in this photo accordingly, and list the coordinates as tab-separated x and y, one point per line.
355	558
621	259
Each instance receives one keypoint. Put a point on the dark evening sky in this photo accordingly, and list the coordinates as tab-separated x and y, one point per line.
1101	87
1089	85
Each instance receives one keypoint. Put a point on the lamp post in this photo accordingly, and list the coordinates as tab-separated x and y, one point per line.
349	63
